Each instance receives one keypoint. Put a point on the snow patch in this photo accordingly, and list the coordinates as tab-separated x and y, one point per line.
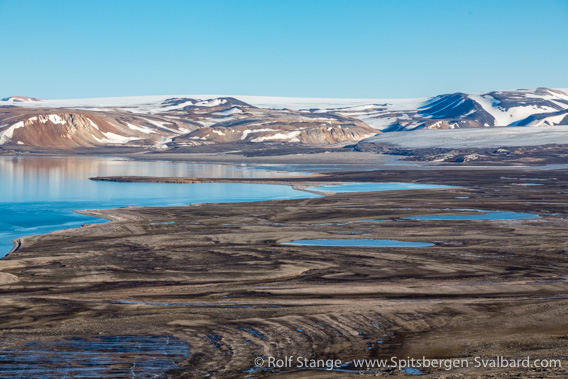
552	120
507	117
224	120
248	131
163	143
161	124
56	119
114	138
210	102
229	112
290	136
379	123
8	133
304	118
141	129
93	124
176	107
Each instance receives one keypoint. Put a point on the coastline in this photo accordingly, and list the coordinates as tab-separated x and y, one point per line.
362	156
107	214
221	268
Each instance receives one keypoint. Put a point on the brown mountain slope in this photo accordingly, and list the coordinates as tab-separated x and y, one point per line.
175	122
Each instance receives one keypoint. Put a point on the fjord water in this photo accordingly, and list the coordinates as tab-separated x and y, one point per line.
39	194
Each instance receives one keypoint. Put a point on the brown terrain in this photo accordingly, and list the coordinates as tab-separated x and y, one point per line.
178	124
217	279
175	123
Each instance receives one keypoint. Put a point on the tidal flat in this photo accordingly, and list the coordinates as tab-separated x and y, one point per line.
219	280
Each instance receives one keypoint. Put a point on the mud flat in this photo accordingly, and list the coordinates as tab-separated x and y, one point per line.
219	281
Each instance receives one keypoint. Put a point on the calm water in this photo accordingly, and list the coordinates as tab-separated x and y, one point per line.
366	187
39	194
480	215
98	357
358	242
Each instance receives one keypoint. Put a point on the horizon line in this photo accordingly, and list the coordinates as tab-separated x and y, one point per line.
564	89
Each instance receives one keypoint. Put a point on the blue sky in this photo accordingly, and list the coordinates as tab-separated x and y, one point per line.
309	48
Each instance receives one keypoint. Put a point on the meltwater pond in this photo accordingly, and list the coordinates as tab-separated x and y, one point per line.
39	194
358	243
479	214
368	187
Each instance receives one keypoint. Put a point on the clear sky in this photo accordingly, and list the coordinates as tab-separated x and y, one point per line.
308	48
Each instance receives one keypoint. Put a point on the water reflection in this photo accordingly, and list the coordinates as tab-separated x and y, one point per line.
39	194
21	177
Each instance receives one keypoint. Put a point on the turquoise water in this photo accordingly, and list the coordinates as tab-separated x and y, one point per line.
358	243
366	187
39	195
480	215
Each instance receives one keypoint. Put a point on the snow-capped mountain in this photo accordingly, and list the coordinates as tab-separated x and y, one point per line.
540	106
75	128
20	99
233	121
161	122
167	122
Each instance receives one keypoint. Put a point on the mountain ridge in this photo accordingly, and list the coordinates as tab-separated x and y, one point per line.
163	122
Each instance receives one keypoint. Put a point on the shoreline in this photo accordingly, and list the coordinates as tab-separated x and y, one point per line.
220	269
298	183
100	213
18	242
369	153
103	214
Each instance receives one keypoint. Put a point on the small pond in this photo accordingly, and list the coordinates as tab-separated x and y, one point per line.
478	215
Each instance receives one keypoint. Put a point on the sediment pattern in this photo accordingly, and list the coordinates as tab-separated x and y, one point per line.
218	278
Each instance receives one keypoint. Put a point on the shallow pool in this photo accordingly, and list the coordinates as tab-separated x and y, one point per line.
479	215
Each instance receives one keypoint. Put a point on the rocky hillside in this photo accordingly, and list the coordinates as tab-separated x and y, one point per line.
73	128
170	123
167	122
239	122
